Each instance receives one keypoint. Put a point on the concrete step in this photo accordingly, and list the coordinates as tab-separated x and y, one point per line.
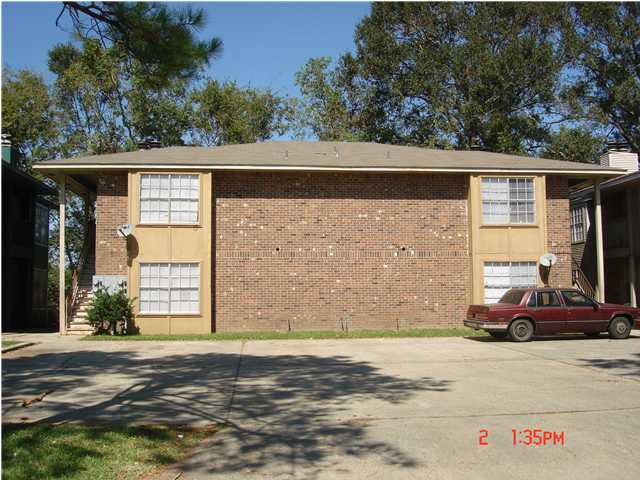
80	326
82	333
77	325
79	322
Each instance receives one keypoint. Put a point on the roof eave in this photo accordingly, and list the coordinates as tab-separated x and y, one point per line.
578	173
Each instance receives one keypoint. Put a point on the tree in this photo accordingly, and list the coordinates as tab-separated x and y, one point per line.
325	110
160	39
226	114
448	74
159	114
27	113
575	145
107	103
88	93
604	38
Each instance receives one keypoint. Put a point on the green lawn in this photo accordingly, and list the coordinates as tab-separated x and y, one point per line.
96	452
9	343
315	335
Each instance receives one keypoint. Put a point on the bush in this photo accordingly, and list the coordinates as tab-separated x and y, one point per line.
110	313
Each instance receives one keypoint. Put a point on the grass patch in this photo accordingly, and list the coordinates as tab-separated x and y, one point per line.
95	452
295	335
9	343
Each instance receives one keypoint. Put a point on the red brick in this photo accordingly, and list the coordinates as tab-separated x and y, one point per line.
327	250
558	230
111	211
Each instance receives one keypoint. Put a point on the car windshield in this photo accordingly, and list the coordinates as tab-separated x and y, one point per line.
513	297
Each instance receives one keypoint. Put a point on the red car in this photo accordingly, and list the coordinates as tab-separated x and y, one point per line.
524	312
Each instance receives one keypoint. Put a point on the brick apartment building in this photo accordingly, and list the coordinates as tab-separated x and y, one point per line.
318	235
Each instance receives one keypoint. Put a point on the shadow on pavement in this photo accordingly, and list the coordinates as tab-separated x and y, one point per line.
277	409
627	367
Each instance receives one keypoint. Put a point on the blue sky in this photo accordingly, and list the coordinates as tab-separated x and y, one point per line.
264	43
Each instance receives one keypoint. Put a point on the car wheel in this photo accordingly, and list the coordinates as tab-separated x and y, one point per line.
592	334
521	330
619	328
498	334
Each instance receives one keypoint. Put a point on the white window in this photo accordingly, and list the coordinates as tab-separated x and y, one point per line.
507	200
169	288
501	276
169	198
578	224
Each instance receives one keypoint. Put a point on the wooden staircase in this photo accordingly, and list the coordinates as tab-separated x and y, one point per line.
581	282
77	312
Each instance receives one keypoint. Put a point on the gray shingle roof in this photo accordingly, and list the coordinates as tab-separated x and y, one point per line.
324	155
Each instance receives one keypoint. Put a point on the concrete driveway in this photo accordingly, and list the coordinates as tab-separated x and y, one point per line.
374	409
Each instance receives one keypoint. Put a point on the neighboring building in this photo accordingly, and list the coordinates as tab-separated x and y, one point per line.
621	230
25	243
322	235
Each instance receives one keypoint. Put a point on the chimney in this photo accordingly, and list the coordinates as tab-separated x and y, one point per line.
148	144
619	155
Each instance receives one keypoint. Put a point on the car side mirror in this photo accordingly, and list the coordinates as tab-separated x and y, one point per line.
596	306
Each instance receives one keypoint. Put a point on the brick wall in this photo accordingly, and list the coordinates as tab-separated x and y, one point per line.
111	211
337	250
558	230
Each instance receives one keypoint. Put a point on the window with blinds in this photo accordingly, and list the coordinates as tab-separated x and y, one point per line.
507	201
499	277
169	288
169	198
578	230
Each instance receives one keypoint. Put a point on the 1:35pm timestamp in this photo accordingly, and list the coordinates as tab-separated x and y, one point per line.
528	437
537	437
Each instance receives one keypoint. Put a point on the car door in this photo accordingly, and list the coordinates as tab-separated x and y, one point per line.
548	312
583	314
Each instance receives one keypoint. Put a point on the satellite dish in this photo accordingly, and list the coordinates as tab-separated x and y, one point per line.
124	230
548	259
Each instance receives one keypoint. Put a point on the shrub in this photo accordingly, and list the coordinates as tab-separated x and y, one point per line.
110	313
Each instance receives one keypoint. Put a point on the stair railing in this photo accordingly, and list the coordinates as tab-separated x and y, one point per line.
87	248
581	281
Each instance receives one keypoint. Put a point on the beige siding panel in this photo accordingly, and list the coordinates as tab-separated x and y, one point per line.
502	243
170	243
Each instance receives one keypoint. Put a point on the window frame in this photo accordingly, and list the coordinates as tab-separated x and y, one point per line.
509	202
169	313
532	296
582	209
198	221
552	292
36	240
568	305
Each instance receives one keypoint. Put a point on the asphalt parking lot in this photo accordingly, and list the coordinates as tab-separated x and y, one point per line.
375	408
